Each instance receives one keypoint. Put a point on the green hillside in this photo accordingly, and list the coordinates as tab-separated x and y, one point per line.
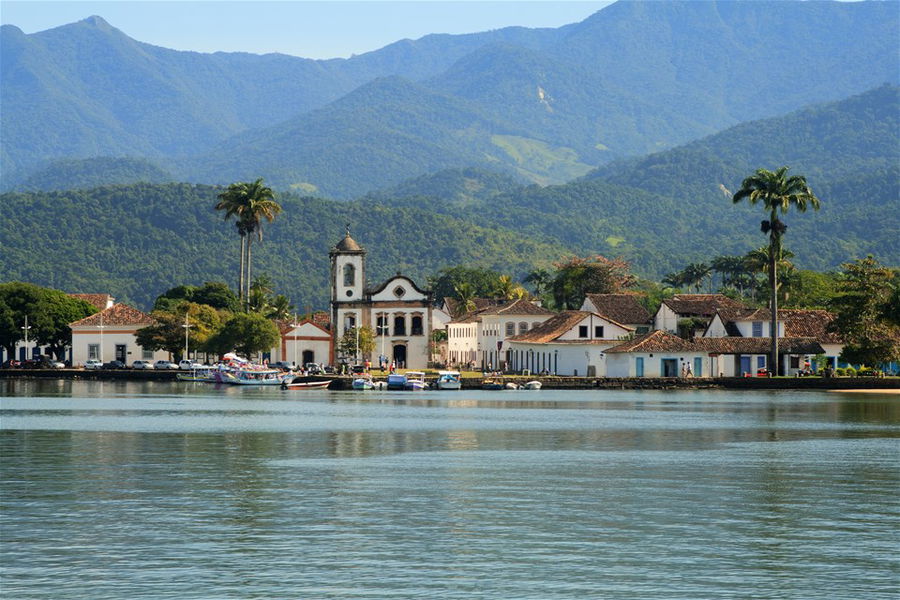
137	241
547	104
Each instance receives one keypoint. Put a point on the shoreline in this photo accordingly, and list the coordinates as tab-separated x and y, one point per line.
890	385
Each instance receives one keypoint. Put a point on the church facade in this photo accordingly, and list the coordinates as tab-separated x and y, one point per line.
398	312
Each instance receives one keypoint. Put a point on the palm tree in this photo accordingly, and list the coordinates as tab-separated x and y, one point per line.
465	294
777	193
695	273
249	203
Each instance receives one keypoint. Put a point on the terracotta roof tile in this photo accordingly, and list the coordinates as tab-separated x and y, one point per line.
552	328
759	345
622	308
117	314
510	307
798	323
701	305
655	341
99	301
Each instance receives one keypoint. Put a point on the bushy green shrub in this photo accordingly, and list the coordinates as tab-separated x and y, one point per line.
851	372
840	372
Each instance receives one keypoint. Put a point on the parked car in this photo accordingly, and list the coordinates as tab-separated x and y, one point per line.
114	364
187	365
164	364
328	369
47	362
93	363
10	364
283	365
313	368
142	364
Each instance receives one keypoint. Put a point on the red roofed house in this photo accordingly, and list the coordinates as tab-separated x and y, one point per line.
621	308
572	342
110	335
479	336
690	306
657	354
305	342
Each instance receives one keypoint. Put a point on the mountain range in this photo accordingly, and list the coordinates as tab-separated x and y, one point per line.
541	105
660	212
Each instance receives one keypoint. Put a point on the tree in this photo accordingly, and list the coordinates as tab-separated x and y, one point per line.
48	311
507	289
168	331
356	342
483	281
695	274
465	295
777	193
540	279
246	333
870	333
250	204
578	277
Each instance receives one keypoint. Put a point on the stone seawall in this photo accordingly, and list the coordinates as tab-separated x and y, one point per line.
343	382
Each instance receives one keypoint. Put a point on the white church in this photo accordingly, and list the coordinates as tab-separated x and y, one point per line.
397	311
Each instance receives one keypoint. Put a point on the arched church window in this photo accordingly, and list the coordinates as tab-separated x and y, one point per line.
349	275
416	326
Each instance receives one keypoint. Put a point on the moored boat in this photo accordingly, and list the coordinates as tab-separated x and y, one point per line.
415	381
364	382
532	385
449	380
297	384
396	381
492	384
204	374
250	377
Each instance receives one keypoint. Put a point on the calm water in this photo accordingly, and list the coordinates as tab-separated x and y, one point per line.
165	490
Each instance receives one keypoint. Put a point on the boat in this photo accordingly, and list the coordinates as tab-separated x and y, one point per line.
250	377
396	381
492	384
415	381
449	380
204	374
532	385
511	386
297	384
365	382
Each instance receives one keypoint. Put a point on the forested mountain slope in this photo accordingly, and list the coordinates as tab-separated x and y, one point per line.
137	241
547	104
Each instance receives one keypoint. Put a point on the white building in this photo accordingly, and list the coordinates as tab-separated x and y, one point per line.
620	308
657	354
479	337
572	342
699	307
110	335
397	311
304	342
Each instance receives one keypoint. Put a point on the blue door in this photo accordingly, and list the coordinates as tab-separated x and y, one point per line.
698	367
639	367
745	365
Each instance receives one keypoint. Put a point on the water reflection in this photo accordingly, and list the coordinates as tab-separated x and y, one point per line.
113	490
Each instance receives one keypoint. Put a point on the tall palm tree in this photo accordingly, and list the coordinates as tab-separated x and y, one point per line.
695	274
777	193
250	204
465	294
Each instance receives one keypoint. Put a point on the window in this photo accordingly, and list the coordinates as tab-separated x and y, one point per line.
94	351
582	331
795	362
760	362
399	325
416	325
382	326
757	329
399	291
523	327
147	353
349	275
510	329
598	331
349	322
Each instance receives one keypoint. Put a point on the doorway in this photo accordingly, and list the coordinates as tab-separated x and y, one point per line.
121	355
745	365
400	356
308	357
669	367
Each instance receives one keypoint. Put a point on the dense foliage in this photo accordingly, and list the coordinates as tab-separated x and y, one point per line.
48	313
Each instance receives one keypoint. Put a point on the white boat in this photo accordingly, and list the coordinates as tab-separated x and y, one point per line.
512	386
449	380
532	385
415	381
204	374
250	377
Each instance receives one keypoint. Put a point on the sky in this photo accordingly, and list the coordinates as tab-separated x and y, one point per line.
322	29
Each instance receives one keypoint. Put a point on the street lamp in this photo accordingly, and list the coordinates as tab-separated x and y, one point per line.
294	325
25	329
100	327
382	329
187	326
